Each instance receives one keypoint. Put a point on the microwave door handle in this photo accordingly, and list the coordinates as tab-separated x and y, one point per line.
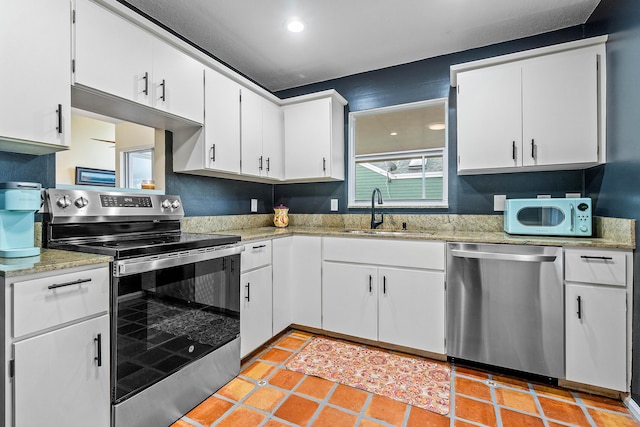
572	213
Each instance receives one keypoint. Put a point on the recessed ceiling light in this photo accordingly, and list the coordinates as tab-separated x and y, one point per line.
393	133
436	126
295	25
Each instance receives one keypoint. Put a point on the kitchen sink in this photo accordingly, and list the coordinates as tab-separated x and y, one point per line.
388	232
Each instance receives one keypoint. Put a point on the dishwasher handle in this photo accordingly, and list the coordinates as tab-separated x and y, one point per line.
459	253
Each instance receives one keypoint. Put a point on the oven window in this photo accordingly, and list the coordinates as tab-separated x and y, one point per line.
165	319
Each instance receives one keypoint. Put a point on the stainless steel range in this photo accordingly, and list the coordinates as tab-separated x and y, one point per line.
175	299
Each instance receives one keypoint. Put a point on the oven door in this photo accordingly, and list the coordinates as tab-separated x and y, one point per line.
170	310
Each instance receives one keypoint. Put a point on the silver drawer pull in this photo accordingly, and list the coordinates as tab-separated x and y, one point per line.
62	285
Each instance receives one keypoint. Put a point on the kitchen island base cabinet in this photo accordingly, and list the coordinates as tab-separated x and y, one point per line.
62	377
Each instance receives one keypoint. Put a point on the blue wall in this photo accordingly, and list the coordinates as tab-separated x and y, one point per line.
28	168
417	81
615	186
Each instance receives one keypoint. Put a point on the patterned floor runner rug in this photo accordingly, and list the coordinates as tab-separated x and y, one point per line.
418	382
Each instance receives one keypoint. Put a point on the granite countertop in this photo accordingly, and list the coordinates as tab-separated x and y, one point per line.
248	234
48	260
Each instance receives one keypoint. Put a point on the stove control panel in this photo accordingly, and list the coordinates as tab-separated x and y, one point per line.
104	205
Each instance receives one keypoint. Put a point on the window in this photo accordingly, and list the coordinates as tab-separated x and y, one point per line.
138	167
402	150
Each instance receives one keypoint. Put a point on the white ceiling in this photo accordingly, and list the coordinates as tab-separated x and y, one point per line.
344	37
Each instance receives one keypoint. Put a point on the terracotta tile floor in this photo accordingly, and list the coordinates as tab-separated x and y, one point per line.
265	394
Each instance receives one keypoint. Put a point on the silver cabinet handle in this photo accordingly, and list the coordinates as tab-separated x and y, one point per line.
502	257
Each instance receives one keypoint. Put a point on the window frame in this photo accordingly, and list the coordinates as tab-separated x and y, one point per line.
428	152
125	156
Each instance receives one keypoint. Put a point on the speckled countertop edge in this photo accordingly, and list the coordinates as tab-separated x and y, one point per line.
48	260
248	234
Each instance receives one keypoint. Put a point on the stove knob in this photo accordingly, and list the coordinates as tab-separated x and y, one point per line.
63	202
175	204
166	204
81	202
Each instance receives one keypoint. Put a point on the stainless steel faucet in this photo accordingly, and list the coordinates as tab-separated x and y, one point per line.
374	223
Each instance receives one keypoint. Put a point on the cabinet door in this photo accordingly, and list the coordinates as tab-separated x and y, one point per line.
411	308
251	130
306	273
272	142
489	118
59	373
307	139
282	283
222	122
111	54
35	75
560	109
596	336
178	82
349	299
255	310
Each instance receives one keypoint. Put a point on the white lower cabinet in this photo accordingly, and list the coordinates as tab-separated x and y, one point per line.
598	289
255	309
385	290
256	296
411	309
349	299
596	335
56	362
65	373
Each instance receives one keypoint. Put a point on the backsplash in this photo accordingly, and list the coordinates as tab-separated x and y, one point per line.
617	229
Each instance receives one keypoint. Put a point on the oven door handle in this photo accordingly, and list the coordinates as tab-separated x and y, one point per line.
128	267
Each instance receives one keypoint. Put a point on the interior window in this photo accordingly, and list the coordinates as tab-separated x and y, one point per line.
138	167
402	150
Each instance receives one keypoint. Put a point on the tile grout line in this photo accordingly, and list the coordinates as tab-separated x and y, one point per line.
584	409
543	416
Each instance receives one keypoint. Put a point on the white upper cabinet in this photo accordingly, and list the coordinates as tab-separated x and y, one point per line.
222	122
314	139
560	109
537	110
177	82
114	56
111	54
482	144
261	137
251	131
35	76
272	140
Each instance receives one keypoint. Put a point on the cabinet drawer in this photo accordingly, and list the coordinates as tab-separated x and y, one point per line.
390	252
50	301
256	254
596	266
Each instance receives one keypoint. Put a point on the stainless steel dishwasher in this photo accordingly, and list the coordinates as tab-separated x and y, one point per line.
505	306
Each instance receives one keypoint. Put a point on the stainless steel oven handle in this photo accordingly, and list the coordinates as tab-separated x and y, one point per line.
502	257
128	267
